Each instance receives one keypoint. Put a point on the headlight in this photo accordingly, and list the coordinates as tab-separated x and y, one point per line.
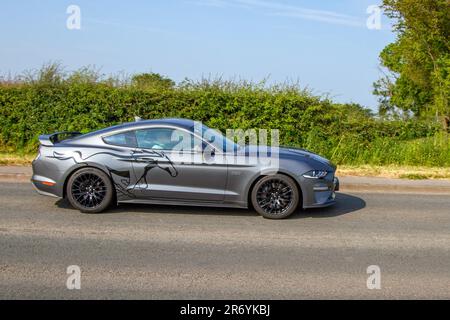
315	174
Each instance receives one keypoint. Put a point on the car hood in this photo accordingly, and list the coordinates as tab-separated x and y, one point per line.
306	153
291	152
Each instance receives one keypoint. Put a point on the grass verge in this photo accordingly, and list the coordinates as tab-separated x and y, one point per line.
388	171
395	171
16	159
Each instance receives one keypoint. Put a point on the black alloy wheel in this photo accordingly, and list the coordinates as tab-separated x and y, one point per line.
90	190
275	197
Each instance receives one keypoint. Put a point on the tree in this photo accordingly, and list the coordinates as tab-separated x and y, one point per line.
152	81
419	59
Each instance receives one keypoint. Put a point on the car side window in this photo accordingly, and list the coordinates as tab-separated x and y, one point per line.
125	139
164	139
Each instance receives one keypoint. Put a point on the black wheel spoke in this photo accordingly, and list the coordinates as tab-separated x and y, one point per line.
274	196
89	190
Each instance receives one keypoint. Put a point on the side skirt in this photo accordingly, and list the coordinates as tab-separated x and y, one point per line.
188	203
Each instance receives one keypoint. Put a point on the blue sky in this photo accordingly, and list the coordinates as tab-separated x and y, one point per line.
325	45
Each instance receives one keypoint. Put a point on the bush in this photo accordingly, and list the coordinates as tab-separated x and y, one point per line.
346	133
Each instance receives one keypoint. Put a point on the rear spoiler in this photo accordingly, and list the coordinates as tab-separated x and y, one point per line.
54	138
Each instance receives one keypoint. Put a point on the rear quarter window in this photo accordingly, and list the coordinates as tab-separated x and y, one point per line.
124	139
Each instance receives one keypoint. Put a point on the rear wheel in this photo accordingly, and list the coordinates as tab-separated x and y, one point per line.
275	197
90	190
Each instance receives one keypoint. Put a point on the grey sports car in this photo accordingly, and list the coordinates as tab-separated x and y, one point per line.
182	162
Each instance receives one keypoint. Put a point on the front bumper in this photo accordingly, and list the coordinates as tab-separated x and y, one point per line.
336	184
320	193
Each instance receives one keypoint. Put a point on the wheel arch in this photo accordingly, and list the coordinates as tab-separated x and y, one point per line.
84	166
261	176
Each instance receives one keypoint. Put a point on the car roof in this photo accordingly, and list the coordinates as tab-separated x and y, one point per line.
177	122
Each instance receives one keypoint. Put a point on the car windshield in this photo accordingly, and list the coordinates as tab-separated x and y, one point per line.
216	138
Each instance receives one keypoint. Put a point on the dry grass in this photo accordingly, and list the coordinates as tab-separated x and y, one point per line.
15	159
392	171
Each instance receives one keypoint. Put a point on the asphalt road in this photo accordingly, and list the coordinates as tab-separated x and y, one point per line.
159	252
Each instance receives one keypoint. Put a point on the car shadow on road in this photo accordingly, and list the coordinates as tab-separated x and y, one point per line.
130	208
345	204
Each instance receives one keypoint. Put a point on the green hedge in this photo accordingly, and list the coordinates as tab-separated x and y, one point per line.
348	134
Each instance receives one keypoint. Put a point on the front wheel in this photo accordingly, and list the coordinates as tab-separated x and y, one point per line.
90	190
275	197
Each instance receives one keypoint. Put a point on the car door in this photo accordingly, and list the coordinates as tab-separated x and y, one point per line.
170	164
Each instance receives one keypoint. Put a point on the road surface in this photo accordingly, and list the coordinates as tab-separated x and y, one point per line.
160	252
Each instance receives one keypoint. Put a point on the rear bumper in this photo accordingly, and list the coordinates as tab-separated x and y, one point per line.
42	192
44	187
46	180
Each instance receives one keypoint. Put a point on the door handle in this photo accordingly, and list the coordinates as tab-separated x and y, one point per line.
137	151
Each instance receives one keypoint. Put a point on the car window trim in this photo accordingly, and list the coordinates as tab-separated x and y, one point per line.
156	127
114	144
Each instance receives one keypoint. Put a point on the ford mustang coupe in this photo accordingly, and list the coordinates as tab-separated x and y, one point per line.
179	162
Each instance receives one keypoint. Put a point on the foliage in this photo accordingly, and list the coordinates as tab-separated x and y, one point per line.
153	81
85	100
419	59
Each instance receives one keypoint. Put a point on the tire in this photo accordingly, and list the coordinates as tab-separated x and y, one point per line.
90	190
275	197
